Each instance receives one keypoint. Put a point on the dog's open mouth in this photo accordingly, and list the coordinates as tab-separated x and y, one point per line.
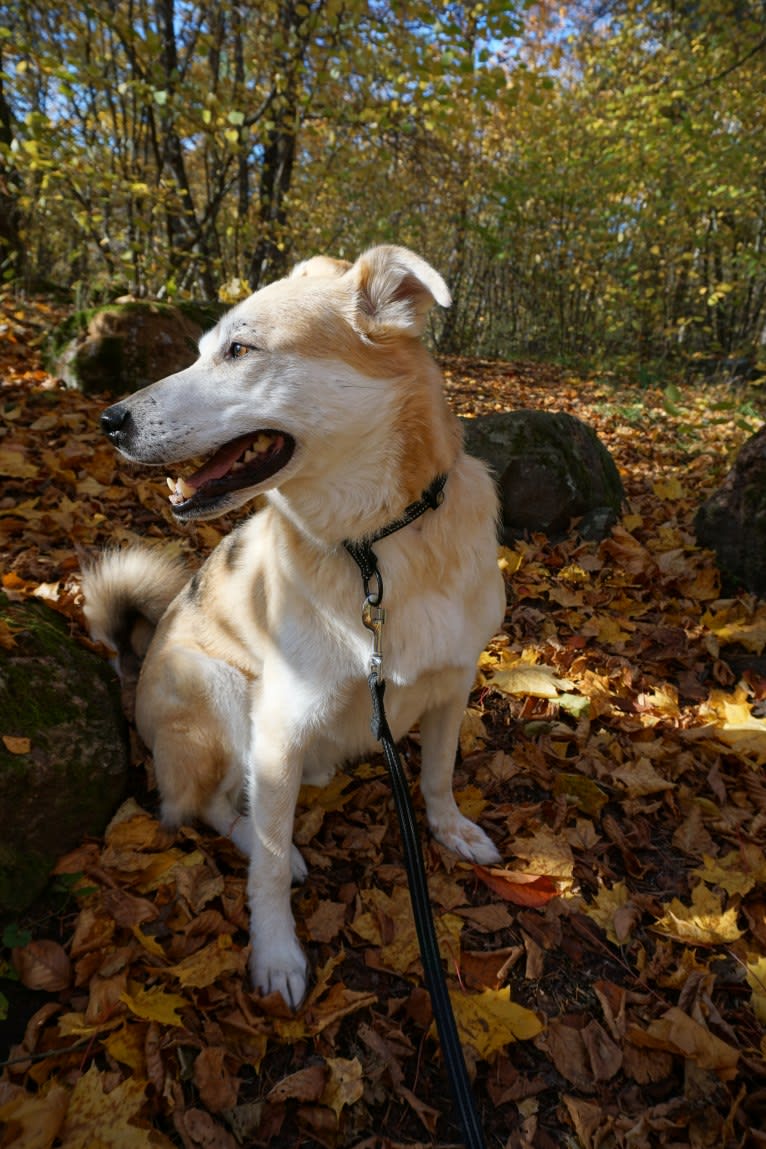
244	462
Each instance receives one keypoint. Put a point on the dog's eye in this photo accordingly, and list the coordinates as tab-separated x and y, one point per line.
237	351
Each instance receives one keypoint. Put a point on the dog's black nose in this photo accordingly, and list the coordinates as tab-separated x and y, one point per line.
114	421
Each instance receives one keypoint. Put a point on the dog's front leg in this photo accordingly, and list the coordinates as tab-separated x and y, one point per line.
277	962
439	733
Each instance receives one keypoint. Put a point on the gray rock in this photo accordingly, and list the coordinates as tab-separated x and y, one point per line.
66	702
550	468
732	522
124	346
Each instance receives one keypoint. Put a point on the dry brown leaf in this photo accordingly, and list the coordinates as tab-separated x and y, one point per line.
34	1121
43	964
217	1086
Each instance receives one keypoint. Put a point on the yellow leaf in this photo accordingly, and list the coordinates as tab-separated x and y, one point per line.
509	561
669	489
532	681
345	1083
98	1119
473	732
729	626
703	923
154	1004
471	801
392	916
640	778
676	1032
734	724
605	907
756	979
586	794
488	1021
736	872
127	1046
205	966
35	1121
546	853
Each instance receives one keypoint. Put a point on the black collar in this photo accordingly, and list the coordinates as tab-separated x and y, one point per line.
361	549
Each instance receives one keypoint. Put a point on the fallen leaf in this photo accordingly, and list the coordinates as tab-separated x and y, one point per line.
43	964
15	745
519	888
154	1004
102	1118
676	1032
205	966
488	1021
345	1083
34	1121
704	922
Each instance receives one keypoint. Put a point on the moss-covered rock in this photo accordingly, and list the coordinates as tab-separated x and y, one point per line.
550	468
123	346
732	522
63	747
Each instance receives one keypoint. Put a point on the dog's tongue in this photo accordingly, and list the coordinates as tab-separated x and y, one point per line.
221	462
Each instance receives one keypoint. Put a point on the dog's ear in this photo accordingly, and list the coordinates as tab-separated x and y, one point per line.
320	265
394	290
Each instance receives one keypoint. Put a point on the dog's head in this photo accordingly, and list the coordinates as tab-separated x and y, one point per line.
298	364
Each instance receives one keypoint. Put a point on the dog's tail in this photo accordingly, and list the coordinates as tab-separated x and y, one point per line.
126	593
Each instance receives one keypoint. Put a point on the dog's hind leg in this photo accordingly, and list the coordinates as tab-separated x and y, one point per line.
439	731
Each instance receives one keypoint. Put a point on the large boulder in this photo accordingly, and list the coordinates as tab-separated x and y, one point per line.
63	747
121	347
733	520
551	468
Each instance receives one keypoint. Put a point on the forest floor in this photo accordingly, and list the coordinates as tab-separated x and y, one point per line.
609	982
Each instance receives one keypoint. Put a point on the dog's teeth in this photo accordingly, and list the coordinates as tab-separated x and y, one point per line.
263	442
180	490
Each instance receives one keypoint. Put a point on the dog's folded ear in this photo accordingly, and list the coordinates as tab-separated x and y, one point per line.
320	265
394	290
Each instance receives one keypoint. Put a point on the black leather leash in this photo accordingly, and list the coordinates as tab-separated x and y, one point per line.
373	617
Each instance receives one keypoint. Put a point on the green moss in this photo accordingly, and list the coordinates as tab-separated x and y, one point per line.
66	702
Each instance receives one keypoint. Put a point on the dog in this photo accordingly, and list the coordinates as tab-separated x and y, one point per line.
317	393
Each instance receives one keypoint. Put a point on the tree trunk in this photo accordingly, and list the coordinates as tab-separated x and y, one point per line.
11	244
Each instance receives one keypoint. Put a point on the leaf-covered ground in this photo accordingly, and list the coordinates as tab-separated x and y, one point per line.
609	982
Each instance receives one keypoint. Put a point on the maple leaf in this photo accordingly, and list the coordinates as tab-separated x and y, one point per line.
109	1119
202	968
736	872
611	909
344	1085
34	1121
704	922
154	1004
488	1021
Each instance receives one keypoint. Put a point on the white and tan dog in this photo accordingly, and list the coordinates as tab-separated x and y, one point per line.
317	392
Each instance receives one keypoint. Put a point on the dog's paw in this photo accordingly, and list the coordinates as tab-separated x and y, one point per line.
467	840
298	867
284	972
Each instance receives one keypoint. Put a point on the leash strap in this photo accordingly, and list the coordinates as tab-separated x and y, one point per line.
373	617
424	924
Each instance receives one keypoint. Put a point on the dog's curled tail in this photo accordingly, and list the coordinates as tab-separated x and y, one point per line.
126	593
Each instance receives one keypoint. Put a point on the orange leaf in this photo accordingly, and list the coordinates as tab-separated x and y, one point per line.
521	889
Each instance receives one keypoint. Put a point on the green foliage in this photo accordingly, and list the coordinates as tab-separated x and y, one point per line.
591	184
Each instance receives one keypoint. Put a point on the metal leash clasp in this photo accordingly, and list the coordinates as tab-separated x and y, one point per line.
373	617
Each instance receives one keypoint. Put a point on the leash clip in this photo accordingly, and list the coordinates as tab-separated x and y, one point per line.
373	617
